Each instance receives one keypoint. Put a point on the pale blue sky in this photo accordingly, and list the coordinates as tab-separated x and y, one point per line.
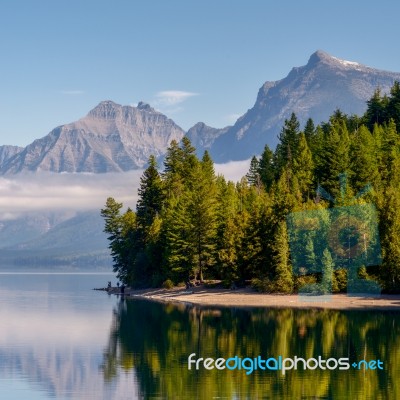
59	58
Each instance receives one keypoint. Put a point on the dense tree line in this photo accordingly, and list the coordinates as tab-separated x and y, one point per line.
190	223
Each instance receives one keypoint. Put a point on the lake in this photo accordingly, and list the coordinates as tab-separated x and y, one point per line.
61	340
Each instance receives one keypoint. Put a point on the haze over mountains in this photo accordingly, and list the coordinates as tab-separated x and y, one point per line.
116	138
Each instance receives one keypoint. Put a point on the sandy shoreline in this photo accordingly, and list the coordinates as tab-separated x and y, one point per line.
249	298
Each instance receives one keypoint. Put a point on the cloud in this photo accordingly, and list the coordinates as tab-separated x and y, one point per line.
170	98
48	192
233	170
72	92
51	192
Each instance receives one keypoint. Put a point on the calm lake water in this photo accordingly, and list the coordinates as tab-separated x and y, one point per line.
61	340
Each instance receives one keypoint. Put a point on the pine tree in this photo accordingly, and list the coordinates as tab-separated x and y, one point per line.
309	131
150	194
229	232
253	176
130	250
207	166
327	272
113	227
376	110
334	158
191	223
189	161
363	160
266	167
121	230
393	106
283	279
284	195
389	226
303	167
390	167
287	146
202	211
172	175
180	251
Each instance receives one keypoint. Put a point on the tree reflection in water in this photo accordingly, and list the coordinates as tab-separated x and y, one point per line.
153	340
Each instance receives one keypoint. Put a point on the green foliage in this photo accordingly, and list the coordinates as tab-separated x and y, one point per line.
190	223
303	166
334	158
287	146
168	284
150	195
253	176
283	278
266	168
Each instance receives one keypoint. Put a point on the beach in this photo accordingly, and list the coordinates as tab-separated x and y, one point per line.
247	297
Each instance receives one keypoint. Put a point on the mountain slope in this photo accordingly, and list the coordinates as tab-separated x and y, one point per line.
110	138
314	90
7	152
55	239
203	136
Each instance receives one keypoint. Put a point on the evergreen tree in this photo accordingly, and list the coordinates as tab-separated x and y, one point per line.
309	131
390	167
287	146
207	166
363	160
327	272
376	110
202	213
393	106
303	167
189	160
250	246
283	279
191	225
266	167
173	166
310	256
253	176
334	159
180	248
284	195
121	229
389	226
150	194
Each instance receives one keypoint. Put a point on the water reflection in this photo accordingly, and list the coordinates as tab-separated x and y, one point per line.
154	340
59	339
53	331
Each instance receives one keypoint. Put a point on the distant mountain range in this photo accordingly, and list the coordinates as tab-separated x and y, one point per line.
120	138
312	91
111	138
116	138
58	239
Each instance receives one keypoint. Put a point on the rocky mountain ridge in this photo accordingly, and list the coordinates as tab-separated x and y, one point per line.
116	138
312	91
111	138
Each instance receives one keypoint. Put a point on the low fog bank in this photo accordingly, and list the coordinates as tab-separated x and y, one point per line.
53	192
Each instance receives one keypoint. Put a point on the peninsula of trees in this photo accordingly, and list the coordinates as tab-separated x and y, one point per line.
190	223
